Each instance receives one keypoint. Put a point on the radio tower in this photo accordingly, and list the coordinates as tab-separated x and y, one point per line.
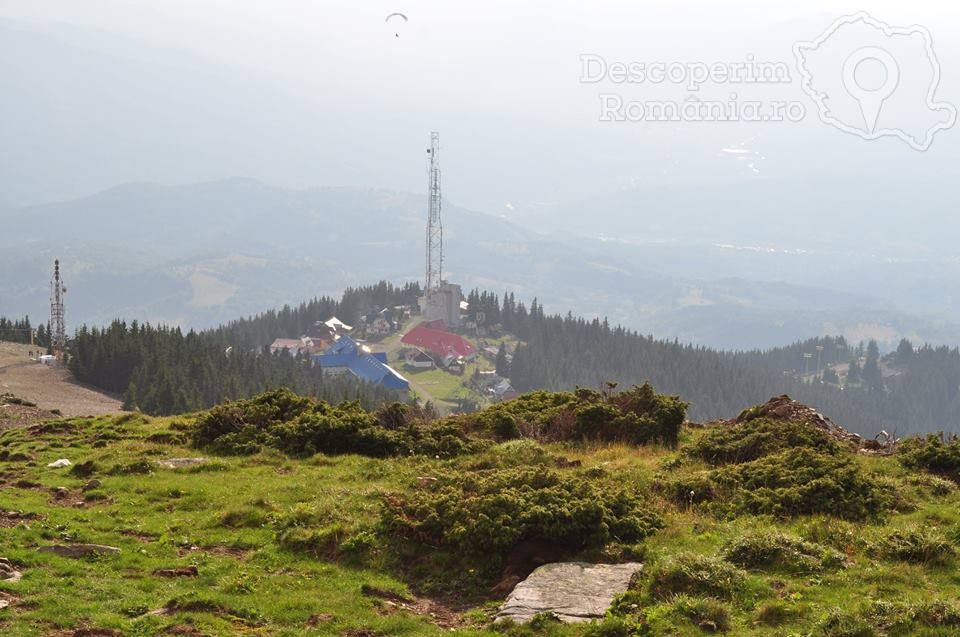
58	329
434	226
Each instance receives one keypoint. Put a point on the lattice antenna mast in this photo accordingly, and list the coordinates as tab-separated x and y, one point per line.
58	328
434	225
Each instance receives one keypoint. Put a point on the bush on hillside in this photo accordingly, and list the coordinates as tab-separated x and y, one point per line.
900	618
697	575
635	416
934	454
514	453
486	513
301	426
707	614
753	439
801	481
916	545
772	550
630	611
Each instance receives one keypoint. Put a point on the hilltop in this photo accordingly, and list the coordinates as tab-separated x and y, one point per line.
51	391
284	515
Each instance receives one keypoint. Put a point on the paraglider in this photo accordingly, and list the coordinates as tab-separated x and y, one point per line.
397	16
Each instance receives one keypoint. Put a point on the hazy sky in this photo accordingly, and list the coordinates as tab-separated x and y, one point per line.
500	79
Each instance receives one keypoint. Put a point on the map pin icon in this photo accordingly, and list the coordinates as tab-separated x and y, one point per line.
870	100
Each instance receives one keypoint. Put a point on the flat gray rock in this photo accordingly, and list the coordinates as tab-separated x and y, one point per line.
573	591
176	463
79	550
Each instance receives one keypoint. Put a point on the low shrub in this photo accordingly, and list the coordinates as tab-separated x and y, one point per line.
916	545
777	613
318	542
842	535
301	426
515	453
138	467
771	550
899	618
802	481
935	454
840	623
638	415
691	489
697	575
244	517
936	613
611	627
708	614
486	513
934	485
168	438
753	439
84	469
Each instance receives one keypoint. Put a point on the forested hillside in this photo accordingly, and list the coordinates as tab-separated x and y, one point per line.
161	370
564	352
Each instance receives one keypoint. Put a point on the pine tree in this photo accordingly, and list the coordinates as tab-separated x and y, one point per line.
872	376
503	367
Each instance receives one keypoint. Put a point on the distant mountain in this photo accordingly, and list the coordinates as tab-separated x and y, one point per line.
202	254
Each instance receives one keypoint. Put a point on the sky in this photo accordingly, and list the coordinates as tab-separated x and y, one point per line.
501	81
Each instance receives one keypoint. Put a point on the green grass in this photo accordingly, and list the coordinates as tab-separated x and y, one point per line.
284	546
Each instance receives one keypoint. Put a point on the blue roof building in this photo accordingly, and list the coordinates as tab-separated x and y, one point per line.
347	355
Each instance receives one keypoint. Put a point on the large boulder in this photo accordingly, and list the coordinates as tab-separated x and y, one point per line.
573	591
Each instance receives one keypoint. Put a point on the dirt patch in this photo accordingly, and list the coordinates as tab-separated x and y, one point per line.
439	613
319	618
16	412
183	629
50	387
10	519
185	571
227	551
145	538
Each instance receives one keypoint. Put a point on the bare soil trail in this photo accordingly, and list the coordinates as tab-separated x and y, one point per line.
50	387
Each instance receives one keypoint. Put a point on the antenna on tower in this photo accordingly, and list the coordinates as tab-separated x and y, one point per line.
434	225
440	300
58	328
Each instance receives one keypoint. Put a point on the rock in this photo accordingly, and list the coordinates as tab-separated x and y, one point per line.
4	603
60	492
90	486
175	463
79	550
186	571
573	591
426	481
8	573
62	462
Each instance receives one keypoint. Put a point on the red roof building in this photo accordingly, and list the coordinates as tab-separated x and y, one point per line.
439	342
